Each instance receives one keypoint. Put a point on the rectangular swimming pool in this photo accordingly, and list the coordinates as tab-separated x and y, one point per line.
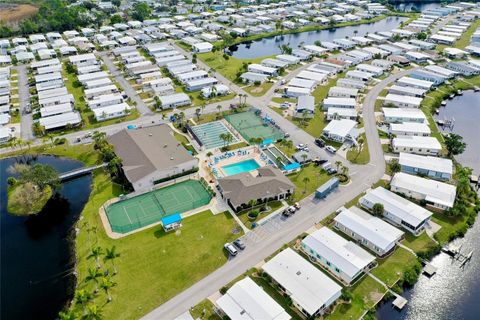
239	167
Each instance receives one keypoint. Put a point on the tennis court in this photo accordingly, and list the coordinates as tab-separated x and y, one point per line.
140	211
250	125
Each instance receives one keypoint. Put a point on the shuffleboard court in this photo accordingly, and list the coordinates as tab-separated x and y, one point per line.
142	210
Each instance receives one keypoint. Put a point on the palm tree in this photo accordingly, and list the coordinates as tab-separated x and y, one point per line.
345	171
219	108
82	297
252	203
93	275
112	254
106	284
67	315
304	157
198	111
95	253
222	136
338	164
305	181
93	312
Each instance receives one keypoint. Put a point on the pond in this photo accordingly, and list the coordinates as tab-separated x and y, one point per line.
37	257
453	292
270	46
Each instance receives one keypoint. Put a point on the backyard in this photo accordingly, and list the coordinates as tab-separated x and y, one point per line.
392	268
365	295
361	156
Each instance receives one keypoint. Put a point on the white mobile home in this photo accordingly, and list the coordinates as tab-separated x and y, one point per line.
372	232
398	210
432	167
417	145
174	100
403	101
438	195
342	258
311	291
410	129
399	115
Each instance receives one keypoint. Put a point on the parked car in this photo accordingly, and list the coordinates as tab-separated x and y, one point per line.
286	213
331	149
292	209
285	105
320	143
331	170
297	205
230	249
239	244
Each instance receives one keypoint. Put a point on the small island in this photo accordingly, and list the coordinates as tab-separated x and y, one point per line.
35	185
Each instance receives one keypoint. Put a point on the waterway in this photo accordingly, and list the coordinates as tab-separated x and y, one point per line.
454	292
37	252
465	111
270	46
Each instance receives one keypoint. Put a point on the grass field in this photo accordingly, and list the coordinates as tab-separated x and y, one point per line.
258	91
153	266
420	243
14	13
391	269
315	178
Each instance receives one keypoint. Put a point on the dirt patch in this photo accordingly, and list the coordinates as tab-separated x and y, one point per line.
14	13
257	90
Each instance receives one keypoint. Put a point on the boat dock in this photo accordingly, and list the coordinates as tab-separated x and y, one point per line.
429	269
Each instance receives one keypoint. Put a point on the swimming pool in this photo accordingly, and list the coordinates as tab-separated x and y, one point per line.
239	167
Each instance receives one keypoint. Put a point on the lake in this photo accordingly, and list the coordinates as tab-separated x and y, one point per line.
37	255
453	292
270	46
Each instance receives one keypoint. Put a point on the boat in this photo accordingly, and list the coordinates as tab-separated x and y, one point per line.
444	103
460	92
476	89
452	96
437	111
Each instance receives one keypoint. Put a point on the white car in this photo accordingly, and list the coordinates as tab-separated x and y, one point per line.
230	249
331	149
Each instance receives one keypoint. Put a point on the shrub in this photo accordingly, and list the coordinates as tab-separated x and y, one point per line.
11	181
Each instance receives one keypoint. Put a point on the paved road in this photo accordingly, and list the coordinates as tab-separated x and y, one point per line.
268	239
26	119
130	92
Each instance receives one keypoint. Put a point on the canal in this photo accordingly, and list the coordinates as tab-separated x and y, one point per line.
37	256
270	46
454	292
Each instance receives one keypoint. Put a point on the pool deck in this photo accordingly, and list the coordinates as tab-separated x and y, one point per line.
253	153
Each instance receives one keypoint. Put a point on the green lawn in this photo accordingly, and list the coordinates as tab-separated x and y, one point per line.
153	266
228	68
282	100
243	215
313	126
184	141
450	226
288	151
420	243
391	269
204	311
465	38
361	156
315	176
366	294
258	91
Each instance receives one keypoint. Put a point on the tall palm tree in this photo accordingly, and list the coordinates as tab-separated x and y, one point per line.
219	108
67	315
305	181
198	111
96	253
111	254
106	284
82	297
93	312
92	276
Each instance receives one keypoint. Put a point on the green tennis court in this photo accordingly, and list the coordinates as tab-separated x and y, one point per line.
145	209
250	125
